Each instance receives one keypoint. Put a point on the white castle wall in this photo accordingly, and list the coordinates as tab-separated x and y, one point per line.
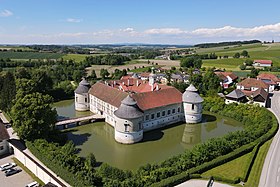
193	112
81	102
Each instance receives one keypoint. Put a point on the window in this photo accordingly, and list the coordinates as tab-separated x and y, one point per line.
76	99
158	114
86	100
163	113
192	106
1	147
168	112
152	116
147	117
126	127
179	109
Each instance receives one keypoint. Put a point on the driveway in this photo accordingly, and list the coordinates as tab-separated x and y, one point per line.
17	180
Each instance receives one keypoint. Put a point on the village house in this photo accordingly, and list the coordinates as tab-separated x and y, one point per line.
262	63
236	96
133	106
256	92
270	79
227	78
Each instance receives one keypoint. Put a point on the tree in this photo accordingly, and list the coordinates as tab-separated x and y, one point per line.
254	73
43	82
7	91
193	61
244	53
104	73
242	67
33	116
93	74
248	62
236	55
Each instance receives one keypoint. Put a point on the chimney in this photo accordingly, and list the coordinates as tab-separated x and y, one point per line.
157	88
137	83
152	87
114	83
128	82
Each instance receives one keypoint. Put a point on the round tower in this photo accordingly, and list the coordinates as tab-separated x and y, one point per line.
128	122
81	96
192	105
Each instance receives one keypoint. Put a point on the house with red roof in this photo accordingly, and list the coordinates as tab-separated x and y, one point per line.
262	63
256	90
270	79
227	78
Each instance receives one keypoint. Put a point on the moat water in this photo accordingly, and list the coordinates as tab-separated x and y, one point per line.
157	145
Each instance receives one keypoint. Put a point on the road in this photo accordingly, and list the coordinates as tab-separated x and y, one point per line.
270	176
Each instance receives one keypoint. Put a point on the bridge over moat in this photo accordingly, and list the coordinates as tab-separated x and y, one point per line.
85	119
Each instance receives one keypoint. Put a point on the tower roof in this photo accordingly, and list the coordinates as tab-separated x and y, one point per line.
191	95
83	87
128	109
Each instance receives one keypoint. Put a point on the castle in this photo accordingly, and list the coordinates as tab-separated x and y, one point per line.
133	106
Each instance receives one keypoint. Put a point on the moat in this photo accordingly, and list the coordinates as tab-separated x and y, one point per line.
157	145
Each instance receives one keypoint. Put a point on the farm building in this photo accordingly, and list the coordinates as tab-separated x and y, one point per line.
262	63
226	78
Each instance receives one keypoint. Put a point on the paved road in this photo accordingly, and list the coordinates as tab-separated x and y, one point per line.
270	176
201	183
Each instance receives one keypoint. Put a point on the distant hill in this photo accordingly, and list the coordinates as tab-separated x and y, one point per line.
221	44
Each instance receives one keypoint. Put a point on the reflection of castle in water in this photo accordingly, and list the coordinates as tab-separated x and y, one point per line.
192	134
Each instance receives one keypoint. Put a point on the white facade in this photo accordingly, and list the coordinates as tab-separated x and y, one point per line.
81	102
193	112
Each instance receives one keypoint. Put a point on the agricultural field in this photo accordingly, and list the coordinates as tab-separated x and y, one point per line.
111	69
77	57
167	64
256	51
28	55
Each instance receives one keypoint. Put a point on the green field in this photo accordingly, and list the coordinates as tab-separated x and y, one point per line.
28	55
256	51
77	57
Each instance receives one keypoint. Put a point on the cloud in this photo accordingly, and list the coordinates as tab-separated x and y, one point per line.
167	31
73	20
153	35
6	13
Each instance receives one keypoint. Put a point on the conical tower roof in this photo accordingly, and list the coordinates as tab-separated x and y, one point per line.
128	109
83	87
191	95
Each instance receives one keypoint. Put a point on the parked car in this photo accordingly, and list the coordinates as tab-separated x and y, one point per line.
33	184
7	166
12	171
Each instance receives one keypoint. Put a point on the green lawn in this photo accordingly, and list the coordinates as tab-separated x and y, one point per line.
77	57
231	170
228	64
256	171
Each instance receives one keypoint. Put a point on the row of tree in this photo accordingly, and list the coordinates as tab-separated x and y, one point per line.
106	60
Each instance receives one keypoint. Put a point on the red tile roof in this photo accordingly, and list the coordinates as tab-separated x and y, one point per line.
223	75
164	97
263	61
268	76
107	94
145	100
251	82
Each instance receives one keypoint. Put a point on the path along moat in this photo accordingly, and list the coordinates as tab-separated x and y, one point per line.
158	145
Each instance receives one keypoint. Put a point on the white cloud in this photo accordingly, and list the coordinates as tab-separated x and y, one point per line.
6	13
167	31
73	20
153	35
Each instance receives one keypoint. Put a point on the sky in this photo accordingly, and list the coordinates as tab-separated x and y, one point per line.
137	21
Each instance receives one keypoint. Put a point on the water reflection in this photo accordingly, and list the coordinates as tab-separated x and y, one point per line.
192	134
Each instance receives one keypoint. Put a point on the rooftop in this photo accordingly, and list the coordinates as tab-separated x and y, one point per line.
252	82
263	61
